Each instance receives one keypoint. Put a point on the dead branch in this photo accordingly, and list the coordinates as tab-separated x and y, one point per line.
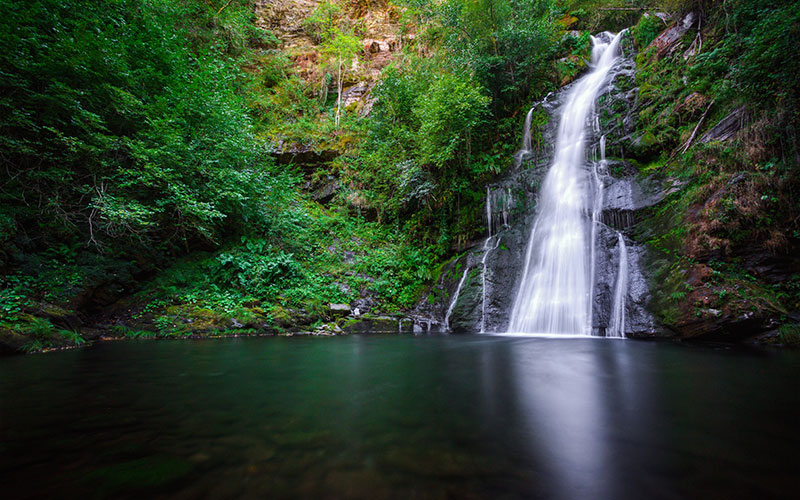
697	127
223	7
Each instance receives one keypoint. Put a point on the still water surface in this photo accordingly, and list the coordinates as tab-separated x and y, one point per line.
469	416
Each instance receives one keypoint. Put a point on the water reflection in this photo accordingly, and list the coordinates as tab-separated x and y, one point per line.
399	417
569	409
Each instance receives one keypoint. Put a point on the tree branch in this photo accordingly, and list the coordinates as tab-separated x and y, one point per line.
696	128
223	7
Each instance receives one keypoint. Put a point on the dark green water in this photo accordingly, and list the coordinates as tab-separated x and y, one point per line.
400	417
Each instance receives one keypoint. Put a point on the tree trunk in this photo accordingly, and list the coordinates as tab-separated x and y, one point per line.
339	98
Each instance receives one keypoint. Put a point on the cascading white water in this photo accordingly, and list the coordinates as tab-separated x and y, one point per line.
555	293
486	251
597	210
526	139
488	212
504	200
526	132
507	204
455	296
617	326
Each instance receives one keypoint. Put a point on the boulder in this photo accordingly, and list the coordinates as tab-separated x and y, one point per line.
339	309
379	324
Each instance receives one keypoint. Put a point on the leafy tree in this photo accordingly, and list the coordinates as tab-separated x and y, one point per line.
323	21
340	48
508	45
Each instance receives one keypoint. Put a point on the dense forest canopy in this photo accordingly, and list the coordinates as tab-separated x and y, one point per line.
142	148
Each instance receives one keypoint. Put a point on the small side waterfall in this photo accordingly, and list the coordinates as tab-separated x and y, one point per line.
455	297
526	132
486	251
555	294
617	326
526	139
499	203
597	211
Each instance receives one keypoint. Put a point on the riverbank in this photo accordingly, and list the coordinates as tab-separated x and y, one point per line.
54	339
11	345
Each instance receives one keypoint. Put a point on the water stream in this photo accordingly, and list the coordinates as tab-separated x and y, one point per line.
617	326
555	294
597	211
453	301
526	139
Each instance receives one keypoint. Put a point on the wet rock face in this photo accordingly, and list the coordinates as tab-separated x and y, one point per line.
638	320
616	117
512	202
503	266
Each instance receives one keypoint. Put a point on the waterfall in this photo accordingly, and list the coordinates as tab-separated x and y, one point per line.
503	200
486	251
526	139
555	292
597	210
455	296
617	326
526	132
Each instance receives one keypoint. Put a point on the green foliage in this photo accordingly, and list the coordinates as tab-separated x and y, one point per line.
336	258
419	154
127	140
445	124
754	59
789	335
646	30
39	334
127	122
323	21
449	109
258	268
13	300
769	34
124	331
506	44
341	47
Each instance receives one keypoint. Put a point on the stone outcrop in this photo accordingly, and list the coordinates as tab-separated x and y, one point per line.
727	127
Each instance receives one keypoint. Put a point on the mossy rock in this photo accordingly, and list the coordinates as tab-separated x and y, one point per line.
644	146
379	324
